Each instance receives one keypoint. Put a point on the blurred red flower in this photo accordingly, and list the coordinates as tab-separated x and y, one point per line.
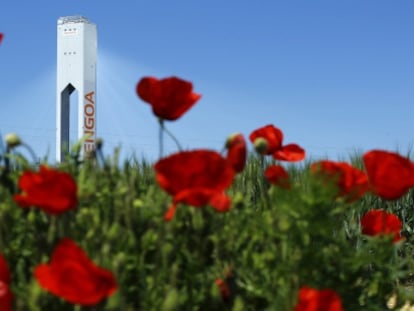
72	276
236	152
1	37
290	153
390	175
352	183
277	175
272	135
379	222
195	178
169	98
6	296
274	139
53	191
311	299
224	289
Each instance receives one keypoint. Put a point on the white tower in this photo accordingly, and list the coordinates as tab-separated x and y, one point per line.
76	70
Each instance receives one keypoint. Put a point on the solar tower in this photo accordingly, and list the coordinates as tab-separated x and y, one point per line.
76	70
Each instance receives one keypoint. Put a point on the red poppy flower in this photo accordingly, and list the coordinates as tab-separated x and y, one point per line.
351	182
268	140
72	276
379	222
277	175
6	296
196	178
271	134
53	191
390	175
290	153
169	98
311	299
236	152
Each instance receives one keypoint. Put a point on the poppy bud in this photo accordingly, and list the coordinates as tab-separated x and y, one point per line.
12	140
260	145
230	139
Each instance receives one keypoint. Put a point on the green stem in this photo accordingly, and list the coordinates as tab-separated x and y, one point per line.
164	129
32	153
161	138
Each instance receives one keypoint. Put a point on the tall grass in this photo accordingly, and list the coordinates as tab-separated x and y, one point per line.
269	244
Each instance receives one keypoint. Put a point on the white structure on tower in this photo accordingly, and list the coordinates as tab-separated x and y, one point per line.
76	70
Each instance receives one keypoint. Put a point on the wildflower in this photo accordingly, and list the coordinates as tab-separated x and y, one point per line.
352	183
311	299
271	134
52	191
224	289
196	178
268	141
6	296
72	276
390	175
290	153
169	98
277	175
379	222
227	285
260	145
236	152
12	140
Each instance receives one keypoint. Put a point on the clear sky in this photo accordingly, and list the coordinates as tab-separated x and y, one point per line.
335	76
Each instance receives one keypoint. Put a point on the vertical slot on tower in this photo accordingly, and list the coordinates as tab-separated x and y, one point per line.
65	118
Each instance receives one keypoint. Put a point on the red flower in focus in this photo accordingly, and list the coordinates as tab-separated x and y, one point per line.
6	296
277	175
169	98
53	191
196	178
274	139
390	175
311	299
379	222
72	276
236	152
351	182
271	134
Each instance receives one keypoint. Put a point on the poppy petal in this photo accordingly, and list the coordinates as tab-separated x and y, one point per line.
272	135
290	153
379	222
390	175
236	152
169	98
277	175
72	276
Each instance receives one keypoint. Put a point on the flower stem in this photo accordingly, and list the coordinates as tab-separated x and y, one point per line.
32	153
161	137
180	148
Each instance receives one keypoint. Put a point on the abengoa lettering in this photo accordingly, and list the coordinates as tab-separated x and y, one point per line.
89	122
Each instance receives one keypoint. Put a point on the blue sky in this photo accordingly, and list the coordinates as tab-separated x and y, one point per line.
335	76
